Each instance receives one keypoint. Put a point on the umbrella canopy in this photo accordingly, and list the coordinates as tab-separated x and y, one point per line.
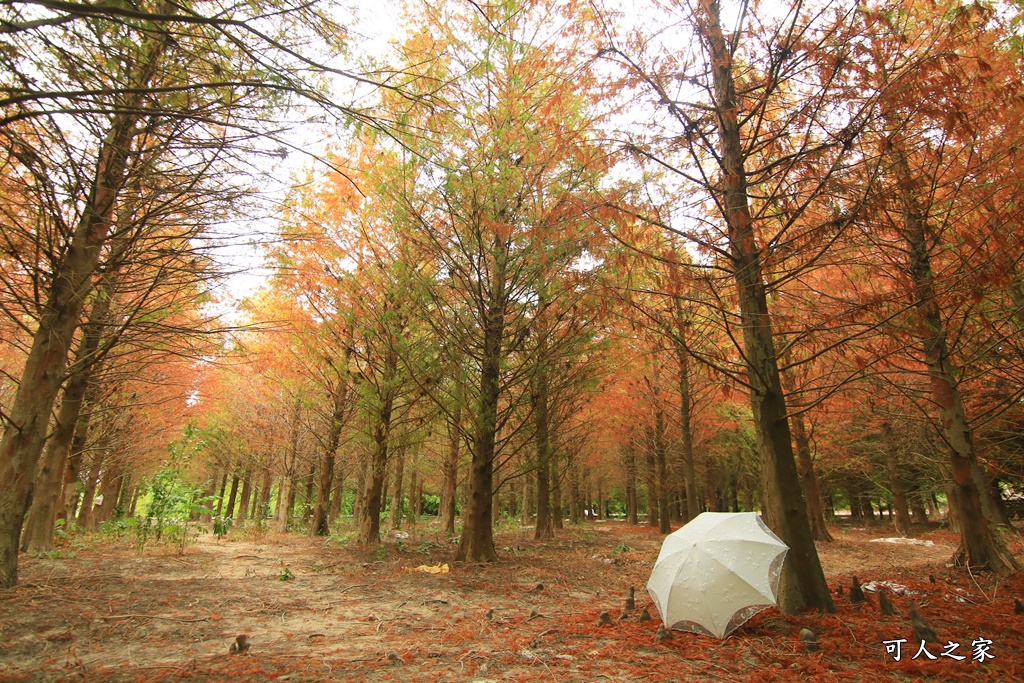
716	572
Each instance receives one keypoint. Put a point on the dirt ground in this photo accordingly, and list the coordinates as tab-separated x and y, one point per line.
320	610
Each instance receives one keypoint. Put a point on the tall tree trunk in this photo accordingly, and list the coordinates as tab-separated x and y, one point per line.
209	490
286	489
809	481
953	515
686	458
556	504
360	488
220	493
661	457
369	523
110	486
243	504
307	499
978	537
575	495
86	518
28	417
476	544
338	494
450	469
38	534
686	438
373	485
232	497
22	443
524	507
917	511
414	492
263	510
291	499
629	457
125	493
853	492
869	512
397	493
711	475
899	496
544	528
651	460
321	516
69	496
803	581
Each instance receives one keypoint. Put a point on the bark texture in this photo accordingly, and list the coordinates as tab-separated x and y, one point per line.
978	537
803	581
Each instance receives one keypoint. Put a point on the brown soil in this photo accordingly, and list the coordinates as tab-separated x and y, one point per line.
105	612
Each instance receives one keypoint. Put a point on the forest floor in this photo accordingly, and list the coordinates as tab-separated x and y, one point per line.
324	610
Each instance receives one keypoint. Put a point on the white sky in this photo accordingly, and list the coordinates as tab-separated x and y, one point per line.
374	24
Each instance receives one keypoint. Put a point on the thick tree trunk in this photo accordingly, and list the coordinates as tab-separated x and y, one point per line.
38	534
291	500
476	544
44	371
373	487
803	581
978	536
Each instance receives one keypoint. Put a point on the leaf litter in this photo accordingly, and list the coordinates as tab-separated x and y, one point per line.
110	614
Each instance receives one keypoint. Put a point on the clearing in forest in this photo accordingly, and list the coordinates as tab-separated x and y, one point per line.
317	610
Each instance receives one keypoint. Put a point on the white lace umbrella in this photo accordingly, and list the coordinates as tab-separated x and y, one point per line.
716	572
